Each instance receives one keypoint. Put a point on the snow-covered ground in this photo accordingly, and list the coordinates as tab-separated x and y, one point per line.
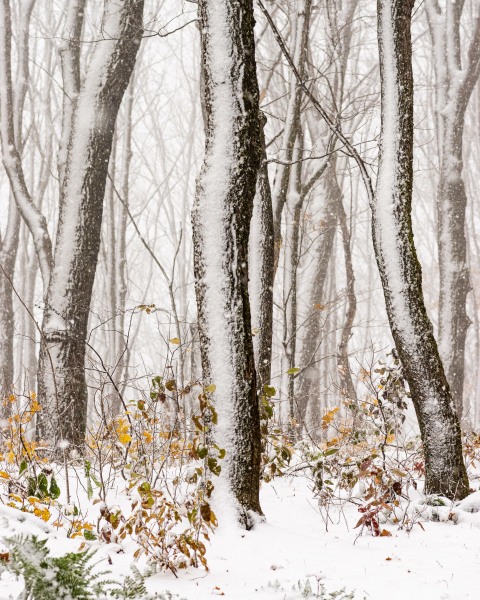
435	561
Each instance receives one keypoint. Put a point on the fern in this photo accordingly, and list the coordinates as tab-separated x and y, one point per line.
69	577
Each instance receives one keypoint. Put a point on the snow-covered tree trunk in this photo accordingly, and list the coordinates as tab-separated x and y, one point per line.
61	377
455	83
221	222
396	256
14	99
261	273
8	254
10	113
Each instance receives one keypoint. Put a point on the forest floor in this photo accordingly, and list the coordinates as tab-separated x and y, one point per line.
286	556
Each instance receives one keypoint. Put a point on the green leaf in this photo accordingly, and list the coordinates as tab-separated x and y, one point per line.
293	370
210	388
89	535
202	452
331	451
144	488
54	489
213	466
269	391
42	484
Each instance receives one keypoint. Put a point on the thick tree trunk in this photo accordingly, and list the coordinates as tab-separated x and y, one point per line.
221	223
61	378
399	268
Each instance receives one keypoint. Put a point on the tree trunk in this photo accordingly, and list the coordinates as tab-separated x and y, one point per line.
292	120
261	273
221	222
13	103
8	254
62	387
399	268
343	363
309	378
454	85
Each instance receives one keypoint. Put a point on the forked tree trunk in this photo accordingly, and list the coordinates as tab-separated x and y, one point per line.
61	377
396	256
221	223
454	85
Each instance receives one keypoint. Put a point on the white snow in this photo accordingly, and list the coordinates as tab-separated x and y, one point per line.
436	561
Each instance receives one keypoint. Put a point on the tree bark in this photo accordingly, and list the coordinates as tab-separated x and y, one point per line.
261	273
221	222
61	377
397	261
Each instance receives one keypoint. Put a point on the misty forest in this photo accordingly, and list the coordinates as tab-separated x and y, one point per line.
239	299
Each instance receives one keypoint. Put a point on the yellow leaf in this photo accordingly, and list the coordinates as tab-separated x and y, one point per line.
175	340
210	388
4	474
124	438
390	438
35	406
329	416
44	513
148	436
11	457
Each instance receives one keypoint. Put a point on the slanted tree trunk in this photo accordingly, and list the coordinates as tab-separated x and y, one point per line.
396	256
455	83
221	222
61	377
